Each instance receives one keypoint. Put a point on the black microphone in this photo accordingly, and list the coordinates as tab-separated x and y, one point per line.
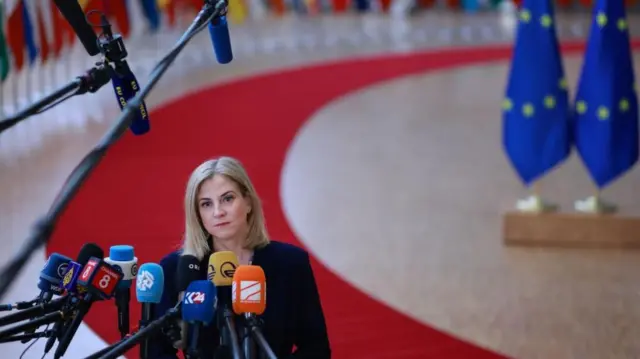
72	12
100	279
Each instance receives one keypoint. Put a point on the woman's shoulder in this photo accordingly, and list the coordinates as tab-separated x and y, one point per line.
170	260
285	252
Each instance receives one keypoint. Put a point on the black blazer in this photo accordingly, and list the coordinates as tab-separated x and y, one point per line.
293	315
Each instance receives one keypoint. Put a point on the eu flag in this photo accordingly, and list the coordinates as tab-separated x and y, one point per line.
606	108
536	111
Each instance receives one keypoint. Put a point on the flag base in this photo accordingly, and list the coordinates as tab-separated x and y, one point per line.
570	230
594	204
535	204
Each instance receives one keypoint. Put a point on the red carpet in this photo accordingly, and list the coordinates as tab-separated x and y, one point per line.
135	195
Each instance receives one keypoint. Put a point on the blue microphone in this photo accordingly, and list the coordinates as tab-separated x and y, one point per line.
149	290
50	281
219	32
198	309
70	279
150	283
123	259
125	86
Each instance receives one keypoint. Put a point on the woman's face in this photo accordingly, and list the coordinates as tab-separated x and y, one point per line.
223	210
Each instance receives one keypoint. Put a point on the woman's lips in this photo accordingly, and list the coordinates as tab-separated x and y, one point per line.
222	224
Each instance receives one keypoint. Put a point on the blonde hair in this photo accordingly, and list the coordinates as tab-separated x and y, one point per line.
196	236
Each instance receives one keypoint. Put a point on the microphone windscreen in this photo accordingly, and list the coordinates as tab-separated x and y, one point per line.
74	15
219	32
199	302
249	290
121	253
70	280
126	87
222	266
51	275
188	270
150	283
122	258
89	250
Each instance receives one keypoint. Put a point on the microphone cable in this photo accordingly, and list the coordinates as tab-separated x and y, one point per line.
32	343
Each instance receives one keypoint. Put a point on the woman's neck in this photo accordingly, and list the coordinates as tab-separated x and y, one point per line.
234	246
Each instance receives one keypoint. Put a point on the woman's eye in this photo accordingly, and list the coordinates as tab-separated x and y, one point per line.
205	204
227	199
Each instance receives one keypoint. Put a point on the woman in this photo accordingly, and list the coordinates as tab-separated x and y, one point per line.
223	213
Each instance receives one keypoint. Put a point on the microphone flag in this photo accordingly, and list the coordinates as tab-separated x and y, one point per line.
536	111
606	106
149	283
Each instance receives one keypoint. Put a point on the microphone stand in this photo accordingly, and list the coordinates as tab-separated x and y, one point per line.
45	226
254	325
33	312
47	319
90	81
124	345
43	334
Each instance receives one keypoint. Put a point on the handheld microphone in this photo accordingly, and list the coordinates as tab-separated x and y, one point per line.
219	32
198	308
100	279
72	12
122	259
222	266
249	296
149	289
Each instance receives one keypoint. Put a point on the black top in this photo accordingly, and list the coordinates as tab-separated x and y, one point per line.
293	315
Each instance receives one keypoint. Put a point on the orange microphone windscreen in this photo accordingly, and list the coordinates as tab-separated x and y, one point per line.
249	290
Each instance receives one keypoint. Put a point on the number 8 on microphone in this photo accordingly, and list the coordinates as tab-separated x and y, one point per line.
100	278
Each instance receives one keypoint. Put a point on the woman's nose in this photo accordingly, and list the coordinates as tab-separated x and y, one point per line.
218	212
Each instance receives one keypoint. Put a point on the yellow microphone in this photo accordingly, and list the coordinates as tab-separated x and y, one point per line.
222	267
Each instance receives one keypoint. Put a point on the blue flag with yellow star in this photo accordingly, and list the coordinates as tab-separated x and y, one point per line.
536	110
606	107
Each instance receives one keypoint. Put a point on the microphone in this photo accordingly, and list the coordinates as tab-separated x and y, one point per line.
70	284
188	270
249	296
198	308
100	279
51	276
222	266
50	281
122	259
72	12
125	84
149	289
219	32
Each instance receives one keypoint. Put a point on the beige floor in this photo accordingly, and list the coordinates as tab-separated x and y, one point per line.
442	221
